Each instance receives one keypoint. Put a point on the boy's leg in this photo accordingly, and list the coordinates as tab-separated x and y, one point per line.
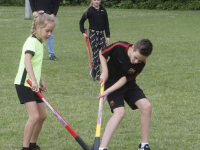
33	114
118	114
38	126
145	108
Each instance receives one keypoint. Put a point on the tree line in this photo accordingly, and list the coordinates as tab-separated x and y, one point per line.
125	4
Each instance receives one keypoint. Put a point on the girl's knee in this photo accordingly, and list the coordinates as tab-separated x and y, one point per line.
43	116
34	118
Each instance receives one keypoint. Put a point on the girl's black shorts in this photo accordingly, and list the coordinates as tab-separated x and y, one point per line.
25	94
129	93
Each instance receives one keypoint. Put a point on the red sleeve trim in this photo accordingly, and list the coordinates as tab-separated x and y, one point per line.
133	77
116	44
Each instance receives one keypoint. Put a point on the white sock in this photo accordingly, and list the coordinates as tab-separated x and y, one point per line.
143	144
102	148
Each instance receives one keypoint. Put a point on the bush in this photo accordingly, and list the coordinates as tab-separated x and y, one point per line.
125	4
74	2
12	3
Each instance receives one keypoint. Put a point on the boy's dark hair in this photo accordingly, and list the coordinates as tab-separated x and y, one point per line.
144	46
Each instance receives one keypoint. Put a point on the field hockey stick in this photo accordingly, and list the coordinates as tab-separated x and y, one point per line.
88	49
64	123
98	127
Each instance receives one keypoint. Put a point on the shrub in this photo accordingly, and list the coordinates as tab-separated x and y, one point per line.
126	4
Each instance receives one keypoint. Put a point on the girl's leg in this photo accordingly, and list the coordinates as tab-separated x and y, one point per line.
145	108
33	114
102	45
112	125
38	126
93	38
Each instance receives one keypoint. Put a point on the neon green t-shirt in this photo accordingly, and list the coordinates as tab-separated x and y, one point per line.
36	48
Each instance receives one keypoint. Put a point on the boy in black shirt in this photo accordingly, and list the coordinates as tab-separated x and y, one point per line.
119	73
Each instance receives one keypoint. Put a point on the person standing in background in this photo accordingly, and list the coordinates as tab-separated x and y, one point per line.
50	7
98	22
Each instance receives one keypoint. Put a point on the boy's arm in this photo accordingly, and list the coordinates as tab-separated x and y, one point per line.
29	69
104	74
121	82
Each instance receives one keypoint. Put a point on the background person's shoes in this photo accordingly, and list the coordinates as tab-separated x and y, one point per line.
92	74
53	57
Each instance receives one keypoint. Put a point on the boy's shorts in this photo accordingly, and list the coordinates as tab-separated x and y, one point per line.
127	93
25	94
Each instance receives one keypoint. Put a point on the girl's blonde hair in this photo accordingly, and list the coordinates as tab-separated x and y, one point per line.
86	10
41	20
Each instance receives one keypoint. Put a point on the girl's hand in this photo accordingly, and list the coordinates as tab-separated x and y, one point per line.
43	85
84	35
35	87
107	40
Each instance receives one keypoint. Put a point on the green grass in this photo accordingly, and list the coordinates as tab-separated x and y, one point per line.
170	80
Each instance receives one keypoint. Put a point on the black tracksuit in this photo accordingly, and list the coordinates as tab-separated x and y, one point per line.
98	22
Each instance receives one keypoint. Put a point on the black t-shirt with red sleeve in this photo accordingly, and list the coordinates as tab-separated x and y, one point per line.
119	64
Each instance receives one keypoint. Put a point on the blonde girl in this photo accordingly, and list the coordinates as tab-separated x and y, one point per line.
30	68
98	23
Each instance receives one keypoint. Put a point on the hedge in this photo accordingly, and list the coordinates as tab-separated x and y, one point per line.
126	4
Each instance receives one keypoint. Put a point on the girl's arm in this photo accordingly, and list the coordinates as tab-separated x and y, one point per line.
104	74
107	28
121	82
81	23
29	69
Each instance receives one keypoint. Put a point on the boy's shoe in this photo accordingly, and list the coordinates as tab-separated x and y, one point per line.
53	57
146	147
92	74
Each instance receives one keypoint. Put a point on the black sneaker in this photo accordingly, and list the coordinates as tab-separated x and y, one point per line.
36	148
53	57
92	74
146	147
25	149
98	78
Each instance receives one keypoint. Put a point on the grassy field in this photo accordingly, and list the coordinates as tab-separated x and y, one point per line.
170	80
